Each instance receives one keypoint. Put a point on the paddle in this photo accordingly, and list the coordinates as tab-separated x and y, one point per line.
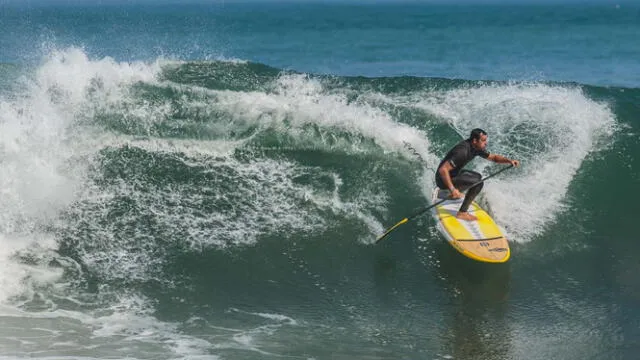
432	205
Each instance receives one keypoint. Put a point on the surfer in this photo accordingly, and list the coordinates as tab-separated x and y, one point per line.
450	175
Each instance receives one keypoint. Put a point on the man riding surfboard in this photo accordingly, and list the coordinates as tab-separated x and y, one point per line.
451	175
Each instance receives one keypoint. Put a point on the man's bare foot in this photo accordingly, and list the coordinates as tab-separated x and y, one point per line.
466	216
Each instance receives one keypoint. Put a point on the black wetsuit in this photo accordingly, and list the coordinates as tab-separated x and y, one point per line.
458	157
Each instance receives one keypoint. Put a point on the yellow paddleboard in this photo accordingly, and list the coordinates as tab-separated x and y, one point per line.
481	240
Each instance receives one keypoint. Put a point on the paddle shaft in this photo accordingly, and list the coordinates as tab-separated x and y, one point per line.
422	211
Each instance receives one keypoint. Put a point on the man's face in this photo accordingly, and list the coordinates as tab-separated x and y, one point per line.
479	144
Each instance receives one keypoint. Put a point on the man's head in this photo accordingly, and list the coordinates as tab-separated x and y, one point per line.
478	138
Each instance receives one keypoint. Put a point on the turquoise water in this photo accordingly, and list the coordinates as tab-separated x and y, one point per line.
208	181
592	44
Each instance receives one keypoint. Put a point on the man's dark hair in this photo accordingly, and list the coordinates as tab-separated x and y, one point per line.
476	134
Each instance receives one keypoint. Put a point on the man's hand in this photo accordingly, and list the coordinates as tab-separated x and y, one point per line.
515	163
456	194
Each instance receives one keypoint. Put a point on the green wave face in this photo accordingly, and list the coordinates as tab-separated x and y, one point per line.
230	192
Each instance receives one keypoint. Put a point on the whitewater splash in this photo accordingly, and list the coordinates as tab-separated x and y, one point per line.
40	175
53	142
45	156
80	121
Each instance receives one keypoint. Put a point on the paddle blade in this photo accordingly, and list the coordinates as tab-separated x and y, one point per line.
391	229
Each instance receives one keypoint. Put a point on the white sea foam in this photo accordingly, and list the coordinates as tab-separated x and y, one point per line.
551	129
47	145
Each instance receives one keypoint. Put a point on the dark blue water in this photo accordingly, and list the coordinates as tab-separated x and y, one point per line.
591	44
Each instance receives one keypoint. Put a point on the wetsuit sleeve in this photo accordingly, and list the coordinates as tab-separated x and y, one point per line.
483	154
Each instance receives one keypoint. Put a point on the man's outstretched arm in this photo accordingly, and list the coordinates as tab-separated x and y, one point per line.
503	160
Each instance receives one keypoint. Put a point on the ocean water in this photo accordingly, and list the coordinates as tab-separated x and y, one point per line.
207	181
